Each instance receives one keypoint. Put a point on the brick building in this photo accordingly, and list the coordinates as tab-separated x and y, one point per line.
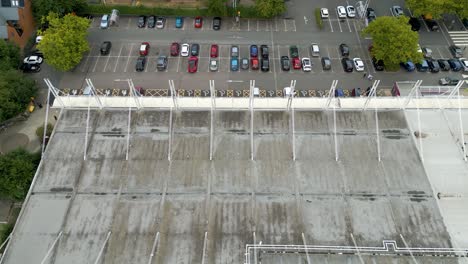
16	21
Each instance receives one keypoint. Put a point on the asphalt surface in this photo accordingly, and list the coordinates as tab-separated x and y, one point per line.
298	28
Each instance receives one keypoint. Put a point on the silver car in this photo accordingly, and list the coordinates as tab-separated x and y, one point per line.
213	65
105	21
234	51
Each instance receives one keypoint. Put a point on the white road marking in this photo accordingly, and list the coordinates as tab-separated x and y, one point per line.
274	67
118	57
128	59
305	20
349	26
105	66
87	59
331	26
178	63
339	20
294	24
97	60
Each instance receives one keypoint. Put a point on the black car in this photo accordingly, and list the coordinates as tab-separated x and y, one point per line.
456	51
443	64
326	63
455	65
141	21
415	24
285	64
347	64
265	65
433	65
370	14
432	24
106	47
217	23
151	21
378	64
294	52
194	49
465	22
140	64
264	51
344	50
422	66
26	67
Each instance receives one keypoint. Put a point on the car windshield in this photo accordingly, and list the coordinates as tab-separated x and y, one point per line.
192	63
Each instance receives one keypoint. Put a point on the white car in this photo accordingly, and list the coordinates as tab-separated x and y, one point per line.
358	64
105	21
351	11
341	11
464	63
213	65
324	12
397	11
306	65
184	51
33	60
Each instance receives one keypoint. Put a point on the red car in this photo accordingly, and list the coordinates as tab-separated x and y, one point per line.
254	64
198	22
214	51
192	64
175	47
296	62
144	48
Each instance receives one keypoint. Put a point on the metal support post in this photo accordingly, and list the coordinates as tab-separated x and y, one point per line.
331	93
133	93
305	247
372	93
102	248
51	248
292	92
455	89
415	89
87	130
45	124
153	249
56	92
173	94
94	92
419	127
357	249
128	131
204	248
460	120
377	130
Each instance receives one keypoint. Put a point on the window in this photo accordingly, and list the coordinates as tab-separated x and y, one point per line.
6	3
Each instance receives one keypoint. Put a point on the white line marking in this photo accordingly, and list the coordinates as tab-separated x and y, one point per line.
128	59
349	26
331	26
294	24
97	60
178	64
446	39
87	59
105	66
117	62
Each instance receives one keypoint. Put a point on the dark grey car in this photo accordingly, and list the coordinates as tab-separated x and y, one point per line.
161	63
245	64
326	63
194	49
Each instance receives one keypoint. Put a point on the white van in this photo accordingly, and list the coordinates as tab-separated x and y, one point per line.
314	50
114	18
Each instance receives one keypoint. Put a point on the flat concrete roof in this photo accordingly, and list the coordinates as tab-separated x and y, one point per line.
190	209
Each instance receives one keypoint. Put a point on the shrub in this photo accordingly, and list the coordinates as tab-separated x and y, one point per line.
318	18
40	131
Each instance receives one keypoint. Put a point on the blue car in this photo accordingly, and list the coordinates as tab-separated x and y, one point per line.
253	51
179	22
409	66
455	65
234	64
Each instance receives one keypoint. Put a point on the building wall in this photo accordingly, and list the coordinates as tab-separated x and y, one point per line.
26	21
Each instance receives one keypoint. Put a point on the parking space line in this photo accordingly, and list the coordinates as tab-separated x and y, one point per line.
440	53
443	33
128	59
148	64
339	20
95	64
87	59
107	61
331	26
424	23
349	26
178	64
294	24
117	62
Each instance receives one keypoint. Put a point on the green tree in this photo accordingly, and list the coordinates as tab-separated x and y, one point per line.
270	8
217	7
9	55
42	8
423	7
15	93
459	7
393	41
17	170
64	42
40	131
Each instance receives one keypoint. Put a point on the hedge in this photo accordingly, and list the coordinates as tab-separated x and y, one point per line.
318	18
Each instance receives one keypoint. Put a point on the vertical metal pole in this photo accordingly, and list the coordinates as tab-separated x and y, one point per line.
94	92
45	123
128	131
372	93
204	248
331	93
102	248
55	92
462	133
153	249
419	127
255	248
377	130
305	248
87	130
413	90
173	94
292	88
133	93
51	247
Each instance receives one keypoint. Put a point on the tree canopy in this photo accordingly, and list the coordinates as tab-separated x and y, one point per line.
438	7
17	170
9	55
393	41
217	7
64	42
42	8
270	8
15	93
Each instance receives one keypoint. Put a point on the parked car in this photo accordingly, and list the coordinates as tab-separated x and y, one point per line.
326	63
151	21
265	65
306	64
179	22
350	11
264	51
415	24
216	23
234	64
253	51
198	22
141	21
160	21
456	51
104	22
427	52
448	81
397	11
344	50
214	50
106	47
443	64
293	51
455	65
285	65
234	51
370	14
464	63
213	65
465	22
245	64
27	68
347	64
192	64
432	24
314	50
358	64
422	66
33	60
254	65
324	13
144	48
194	49
161	63
409	66
296	62
433	65
184	51
378	64
140	64
175	48
341	10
